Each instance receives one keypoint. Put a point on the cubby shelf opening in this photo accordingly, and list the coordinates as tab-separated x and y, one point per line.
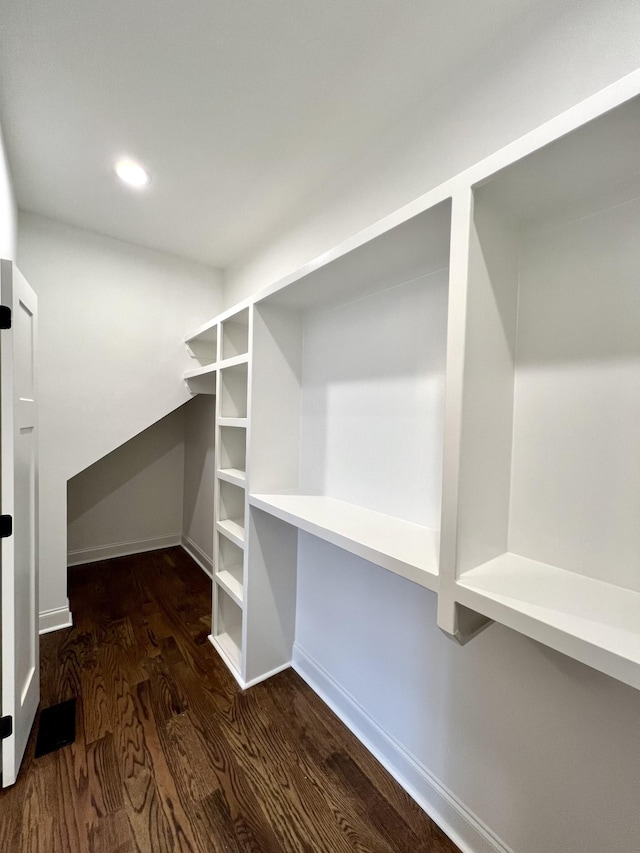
231	505
228	629
230	566
235	335
233	391
233	453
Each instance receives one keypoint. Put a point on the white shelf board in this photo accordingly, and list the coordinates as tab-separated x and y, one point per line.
401	547
201	380
233	475
408	250
233	422
590	620
206	332
200	371
231	585
229	646
232	530
234	361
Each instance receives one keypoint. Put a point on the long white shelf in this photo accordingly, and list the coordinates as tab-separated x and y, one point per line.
401	547
590	620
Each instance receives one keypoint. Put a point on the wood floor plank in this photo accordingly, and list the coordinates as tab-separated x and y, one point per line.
181	827
306	805
112	834
96	715
326	740
171	756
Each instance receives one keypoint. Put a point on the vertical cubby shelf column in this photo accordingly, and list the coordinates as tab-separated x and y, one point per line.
230	495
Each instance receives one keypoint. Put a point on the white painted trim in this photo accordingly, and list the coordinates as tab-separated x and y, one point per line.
55	620
264	676
122	549
198	555
243	685
460	824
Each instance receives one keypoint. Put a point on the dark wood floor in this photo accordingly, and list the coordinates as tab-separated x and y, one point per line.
171	755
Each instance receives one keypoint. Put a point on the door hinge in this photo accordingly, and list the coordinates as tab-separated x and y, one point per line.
5	317
6	526
6	727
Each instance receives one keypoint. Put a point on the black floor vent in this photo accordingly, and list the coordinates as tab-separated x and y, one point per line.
57	727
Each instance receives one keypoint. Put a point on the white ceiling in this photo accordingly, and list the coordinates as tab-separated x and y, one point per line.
239	108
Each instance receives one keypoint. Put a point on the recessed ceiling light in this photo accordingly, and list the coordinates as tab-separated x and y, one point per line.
132	173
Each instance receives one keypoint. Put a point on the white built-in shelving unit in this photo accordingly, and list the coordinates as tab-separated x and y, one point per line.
222	349
453	395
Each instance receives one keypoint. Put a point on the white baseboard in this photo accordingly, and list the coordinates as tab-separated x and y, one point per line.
243	685
198	555
442	806
260	678
55	620
122	549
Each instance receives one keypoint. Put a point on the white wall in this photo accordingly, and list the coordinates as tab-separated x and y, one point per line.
199	470
130	500
112	318
542	749
386	382
8	212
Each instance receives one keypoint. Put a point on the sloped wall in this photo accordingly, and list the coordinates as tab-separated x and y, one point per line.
112	318
130	500
154	491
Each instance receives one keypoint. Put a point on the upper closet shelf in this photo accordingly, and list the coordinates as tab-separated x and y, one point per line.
401	547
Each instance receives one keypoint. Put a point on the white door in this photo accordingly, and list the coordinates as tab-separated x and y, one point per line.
19	501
